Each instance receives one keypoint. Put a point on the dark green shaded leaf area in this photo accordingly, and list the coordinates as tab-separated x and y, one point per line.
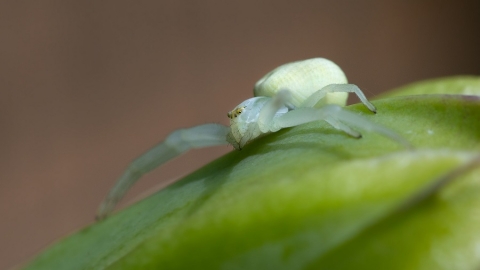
311	197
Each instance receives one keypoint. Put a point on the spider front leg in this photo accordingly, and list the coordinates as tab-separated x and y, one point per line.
340	119
338	88
267	113
175	144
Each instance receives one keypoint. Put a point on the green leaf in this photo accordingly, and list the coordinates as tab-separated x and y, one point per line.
457	85
311	197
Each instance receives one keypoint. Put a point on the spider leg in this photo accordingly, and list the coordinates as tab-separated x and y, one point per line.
338	88
267	113
175	144
334	122
340	119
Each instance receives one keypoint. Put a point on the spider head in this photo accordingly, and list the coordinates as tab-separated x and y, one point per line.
236	112
244	121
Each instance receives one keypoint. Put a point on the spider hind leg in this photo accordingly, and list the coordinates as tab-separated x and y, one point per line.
340	119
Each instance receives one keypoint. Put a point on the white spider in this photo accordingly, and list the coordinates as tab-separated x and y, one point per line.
290	95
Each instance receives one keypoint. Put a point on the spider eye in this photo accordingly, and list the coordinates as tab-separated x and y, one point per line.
235	112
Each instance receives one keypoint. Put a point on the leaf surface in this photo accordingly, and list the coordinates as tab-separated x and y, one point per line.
311	197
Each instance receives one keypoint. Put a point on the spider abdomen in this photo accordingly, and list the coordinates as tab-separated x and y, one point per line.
303	78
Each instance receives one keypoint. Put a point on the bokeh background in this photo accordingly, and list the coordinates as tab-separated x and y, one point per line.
86	86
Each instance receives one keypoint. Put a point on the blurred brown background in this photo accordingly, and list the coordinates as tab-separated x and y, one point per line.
85	86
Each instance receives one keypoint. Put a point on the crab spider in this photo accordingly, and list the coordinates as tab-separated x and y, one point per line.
290	95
